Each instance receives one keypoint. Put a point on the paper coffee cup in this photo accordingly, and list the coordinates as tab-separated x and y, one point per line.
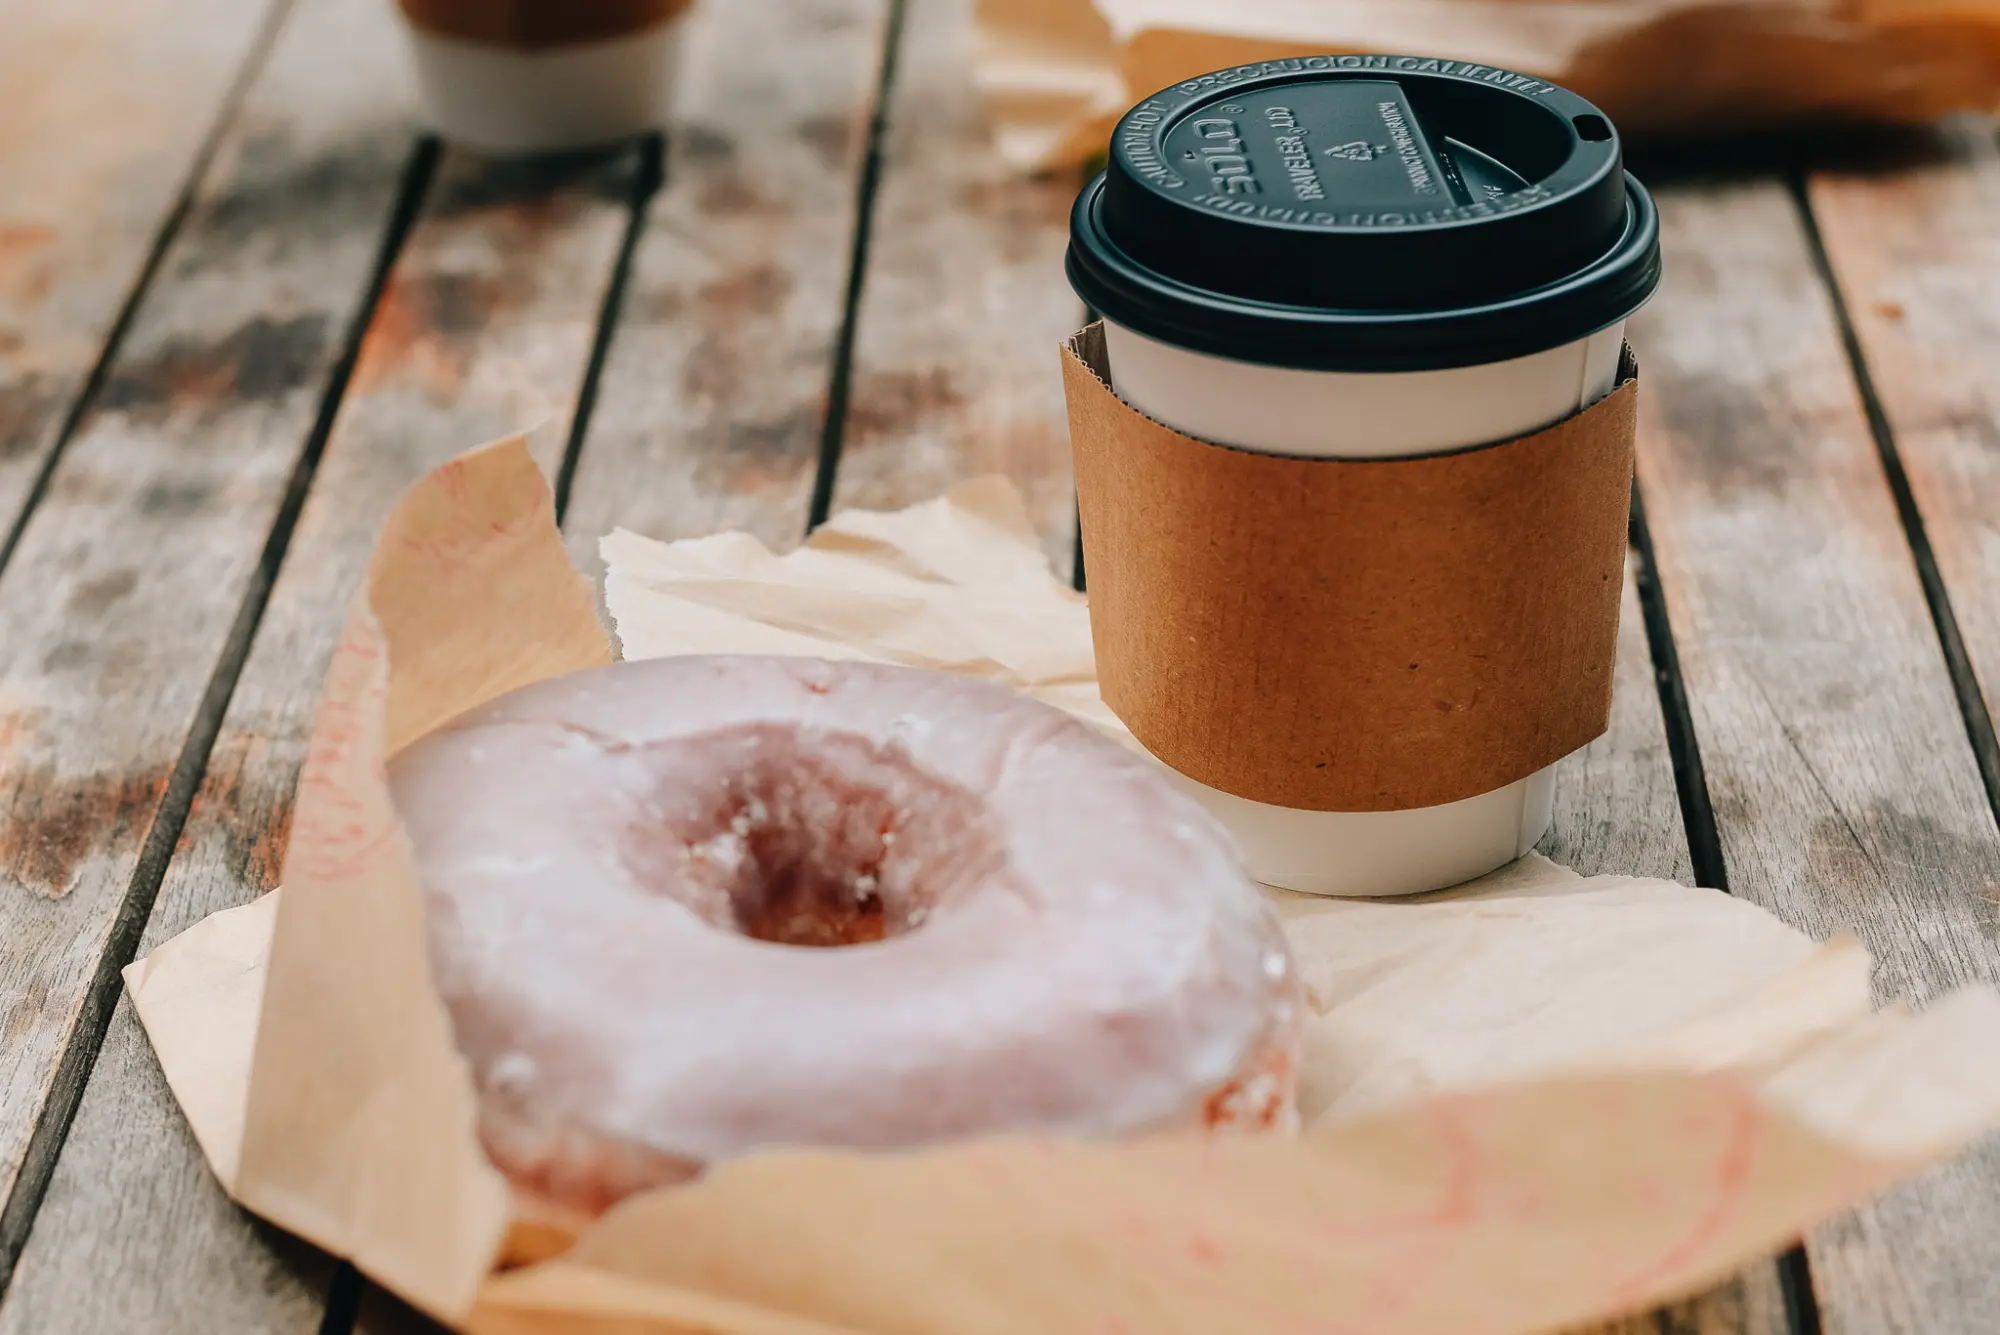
1365	257
534	76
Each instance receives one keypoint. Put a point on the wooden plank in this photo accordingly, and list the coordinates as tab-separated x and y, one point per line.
1916	253
712	401
1917	258
150	1243
487	325
964	301
123	591
1617	810
108	108
1837	764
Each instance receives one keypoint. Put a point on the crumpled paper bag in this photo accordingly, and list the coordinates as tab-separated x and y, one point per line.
1056	74
1534	1101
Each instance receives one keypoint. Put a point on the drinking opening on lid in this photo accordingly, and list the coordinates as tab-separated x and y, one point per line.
1365	213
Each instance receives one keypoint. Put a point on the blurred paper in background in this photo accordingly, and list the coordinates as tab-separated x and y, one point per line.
1057	73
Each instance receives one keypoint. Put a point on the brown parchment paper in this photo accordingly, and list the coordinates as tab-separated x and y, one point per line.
1535	1100
1056	74
358	1131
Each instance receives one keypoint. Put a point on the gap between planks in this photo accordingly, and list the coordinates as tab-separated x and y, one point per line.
435	384
191	765
149	265
233	744
1796	1268
1972	705
867	187
1910	260
711	410
94	1013
1787	1282
1829	729
645	185
963	304
166	315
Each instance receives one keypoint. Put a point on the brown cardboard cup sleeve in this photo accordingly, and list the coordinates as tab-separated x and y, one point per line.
1352	635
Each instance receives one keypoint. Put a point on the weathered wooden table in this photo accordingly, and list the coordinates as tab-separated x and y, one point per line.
243	305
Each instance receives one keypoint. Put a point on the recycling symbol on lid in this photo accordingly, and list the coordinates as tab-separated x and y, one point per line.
1358	151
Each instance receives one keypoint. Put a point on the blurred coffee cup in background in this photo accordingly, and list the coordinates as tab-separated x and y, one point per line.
534	76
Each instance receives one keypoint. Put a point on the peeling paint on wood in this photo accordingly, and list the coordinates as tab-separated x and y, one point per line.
197	1264
56	822
107	107
113	615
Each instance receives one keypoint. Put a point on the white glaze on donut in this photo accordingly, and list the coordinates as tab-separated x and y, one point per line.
1052	939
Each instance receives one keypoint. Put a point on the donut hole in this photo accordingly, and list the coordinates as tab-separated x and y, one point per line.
817	840
794	891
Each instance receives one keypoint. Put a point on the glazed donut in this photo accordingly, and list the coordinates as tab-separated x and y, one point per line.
1038	933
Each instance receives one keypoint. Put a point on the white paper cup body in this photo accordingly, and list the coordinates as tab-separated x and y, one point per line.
503	100
1347	415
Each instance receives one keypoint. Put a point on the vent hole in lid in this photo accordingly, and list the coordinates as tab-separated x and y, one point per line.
1592	129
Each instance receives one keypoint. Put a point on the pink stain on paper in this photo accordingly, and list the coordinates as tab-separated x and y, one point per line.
450	478
338	832
525	511
1204	1249
1136	1229
1456	1206
446	553
1395	1256
1730	1180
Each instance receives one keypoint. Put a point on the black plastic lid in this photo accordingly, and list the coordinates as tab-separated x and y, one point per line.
1365	213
